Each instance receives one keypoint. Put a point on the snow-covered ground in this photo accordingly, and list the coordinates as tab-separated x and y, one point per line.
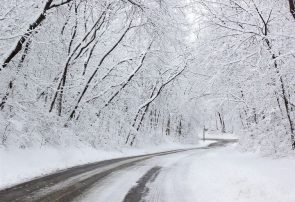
21	165
225	175
228	175
216	175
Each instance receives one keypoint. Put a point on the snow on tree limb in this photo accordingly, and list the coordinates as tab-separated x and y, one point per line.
32	27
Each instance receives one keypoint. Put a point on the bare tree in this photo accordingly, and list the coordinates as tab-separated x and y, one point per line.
32	28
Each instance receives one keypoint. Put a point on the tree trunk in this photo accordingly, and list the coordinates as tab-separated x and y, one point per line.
286	103
292	8
32	28
222	124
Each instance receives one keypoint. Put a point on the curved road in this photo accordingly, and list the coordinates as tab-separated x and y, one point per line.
102	181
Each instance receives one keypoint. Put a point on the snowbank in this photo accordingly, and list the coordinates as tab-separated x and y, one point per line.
225	175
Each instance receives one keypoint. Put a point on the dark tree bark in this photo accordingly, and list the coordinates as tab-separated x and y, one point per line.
32	28
168	126
292	7
222	124
4	99
287	107
179	127
11	82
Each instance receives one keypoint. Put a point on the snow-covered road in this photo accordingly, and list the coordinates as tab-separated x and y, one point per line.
66	185
216	173
155	179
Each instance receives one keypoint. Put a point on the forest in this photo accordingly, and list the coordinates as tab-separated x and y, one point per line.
126	73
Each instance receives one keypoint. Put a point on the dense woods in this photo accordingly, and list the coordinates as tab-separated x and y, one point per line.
131	72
